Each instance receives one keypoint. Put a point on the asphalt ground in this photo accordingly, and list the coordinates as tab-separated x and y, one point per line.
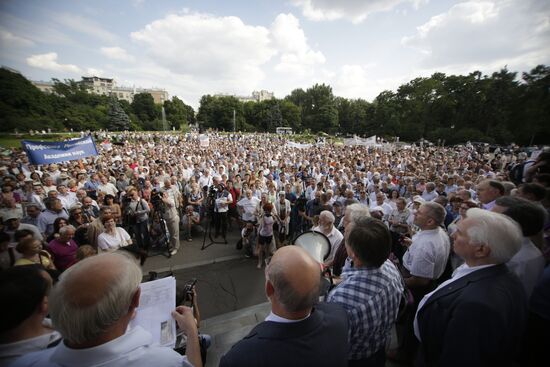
226	280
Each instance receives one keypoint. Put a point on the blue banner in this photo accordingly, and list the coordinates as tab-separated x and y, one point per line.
40	152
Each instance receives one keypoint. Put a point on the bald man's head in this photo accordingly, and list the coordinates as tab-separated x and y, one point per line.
93	295
295	277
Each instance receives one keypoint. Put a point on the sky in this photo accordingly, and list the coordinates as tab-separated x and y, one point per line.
197	47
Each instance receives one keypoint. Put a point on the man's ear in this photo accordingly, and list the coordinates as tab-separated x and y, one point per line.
135	300
482	251
269	290
43	306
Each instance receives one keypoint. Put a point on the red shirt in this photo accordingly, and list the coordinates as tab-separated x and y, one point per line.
64	254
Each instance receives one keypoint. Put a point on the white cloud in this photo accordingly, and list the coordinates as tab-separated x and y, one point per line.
362	81
297	57
353	10
48	61
116	53
93	72
85	26
484	34
8	39
222	51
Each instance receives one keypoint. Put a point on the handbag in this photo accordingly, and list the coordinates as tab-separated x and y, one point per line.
132	218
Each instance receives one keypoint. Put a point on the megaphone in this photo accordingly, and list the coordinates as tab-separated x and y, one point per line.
316	244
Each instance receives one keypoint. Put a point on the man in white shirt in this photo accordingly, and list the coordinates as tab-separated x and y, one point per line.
326	227
488	191
428	250
247	207
429	194
92	313
107	187
68	198
25	330
380	203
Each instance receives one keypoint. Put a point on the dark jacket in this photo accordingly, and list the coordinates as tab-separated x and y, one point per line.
477	320
320	340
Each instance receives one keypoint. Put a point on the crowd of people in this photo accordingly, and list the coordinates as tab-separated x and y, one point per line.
446	245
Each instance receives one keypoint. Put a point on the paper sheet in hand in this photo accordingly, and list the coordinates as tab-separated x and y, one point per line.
157	300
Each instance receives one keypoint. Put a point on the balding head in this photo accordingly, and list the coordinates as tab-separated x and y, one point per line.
87	302
489	190
292	281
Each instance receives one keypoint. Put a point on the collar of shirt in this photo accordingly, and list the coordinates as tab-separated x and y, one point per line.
459	272
352	270
274	318
489	206
132	339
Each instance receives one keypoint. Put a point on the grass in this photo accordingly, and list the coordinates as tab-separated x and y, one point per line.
11	141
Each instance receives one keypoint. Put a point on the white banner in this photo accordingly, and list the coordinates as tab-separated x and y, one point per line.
292	144
360	141
204	141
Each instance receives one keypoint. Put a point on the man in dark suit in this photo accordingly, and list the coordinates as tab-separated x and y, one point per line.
477	317
296	333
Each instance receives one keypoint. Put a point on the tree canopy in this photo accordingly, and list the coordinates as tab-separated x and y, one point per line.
500	107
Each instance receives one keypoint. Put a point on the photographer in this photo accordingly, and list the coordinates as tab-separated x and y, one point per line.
248	238
137	217
191	221
222	199
172	218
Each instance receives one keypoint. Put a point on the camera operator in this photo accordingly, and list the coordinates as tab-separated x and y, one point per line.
222	199
137	214
172	221
191	221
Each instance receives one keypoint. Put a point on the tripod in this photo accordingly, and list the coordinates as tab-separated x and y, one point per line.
208	231
159	236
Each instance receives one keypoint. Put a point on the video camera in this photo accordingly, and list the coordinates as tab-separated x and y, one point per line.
156	200
188	293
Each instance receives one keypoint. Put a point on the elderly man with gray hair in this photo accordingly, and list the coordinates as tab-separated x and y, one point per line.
477	317
424	262
92	310
428	250
326	227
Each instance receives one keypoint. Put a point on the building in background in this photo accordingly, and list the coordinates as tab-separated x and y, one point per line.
257	96
108	87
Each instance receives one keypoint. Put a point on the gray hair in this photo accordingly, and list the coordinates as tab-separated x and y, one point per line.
357	211
499	232
328	215
290	298
80	324
437	211
63	230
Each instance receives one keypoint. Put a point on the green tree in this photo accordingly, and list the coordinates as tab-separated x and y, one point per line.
319	112
23	106
534	116
143	106
178	114
118	119
217	113
291	115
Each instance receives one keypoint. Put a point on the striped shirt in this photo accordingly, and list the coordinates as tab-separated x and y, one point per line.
371	299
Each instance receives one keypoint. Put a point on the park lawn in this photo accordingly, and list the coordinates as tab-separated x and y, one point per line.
10	141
